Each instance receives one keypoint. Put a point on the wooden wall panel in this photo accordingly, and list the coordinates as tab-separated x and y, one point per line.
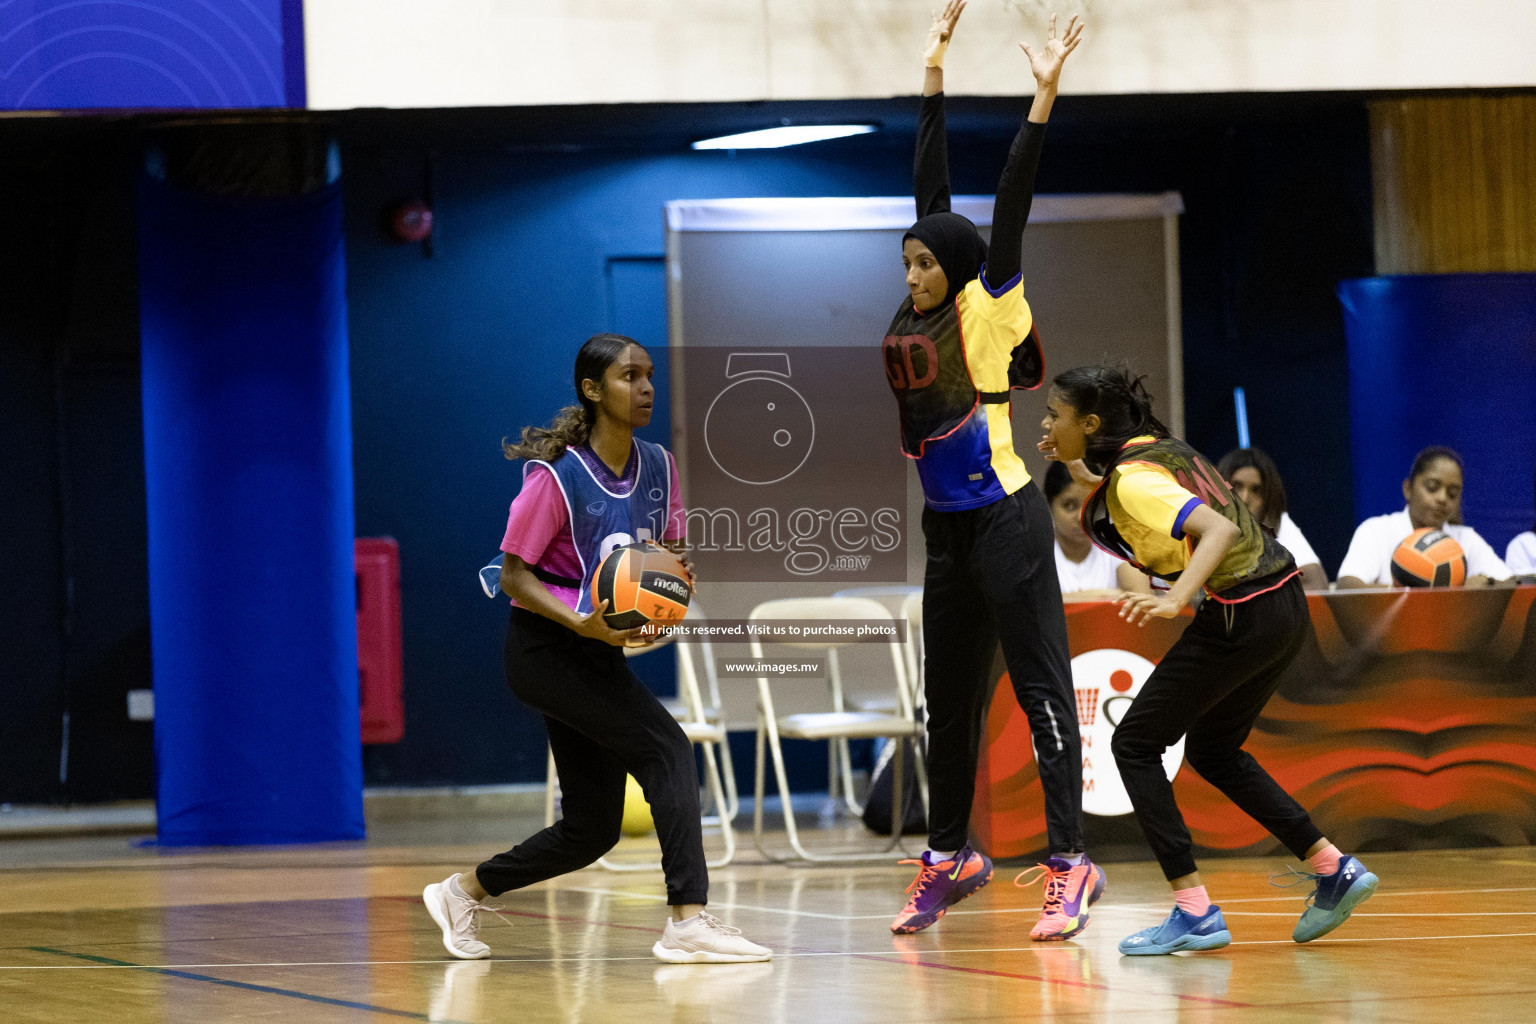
1455	184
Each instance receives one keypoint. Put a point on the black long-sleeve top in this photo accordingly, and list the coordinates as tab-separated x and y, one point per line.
1015	189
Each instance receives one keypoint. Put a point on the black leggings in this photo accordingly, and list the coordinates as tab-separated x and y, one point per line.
991	576
602	723
1211	688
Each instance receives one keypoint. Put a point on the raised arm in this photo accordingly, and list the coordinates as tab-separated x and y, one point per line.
1016	188
930	166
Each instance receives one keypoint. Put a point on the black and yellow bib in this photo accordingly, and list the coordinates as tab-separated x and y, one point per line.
1255	563
951	370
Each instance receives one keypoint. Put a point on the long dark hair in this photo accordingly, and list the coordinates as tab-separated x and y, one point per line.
1431	455
1057	479
1428	457
1271	489
1120	401
573	424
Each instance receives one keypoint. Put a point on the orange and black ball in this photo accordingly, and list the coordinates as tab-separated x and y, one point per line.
642	583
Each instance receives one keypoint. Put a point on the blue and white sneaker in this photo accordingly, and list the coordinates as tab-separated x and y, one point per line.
490	578
1180	932
1335	898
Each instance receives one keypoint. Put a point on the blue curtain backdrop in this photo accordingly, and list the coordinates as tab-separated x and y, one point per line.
1445	359
248	467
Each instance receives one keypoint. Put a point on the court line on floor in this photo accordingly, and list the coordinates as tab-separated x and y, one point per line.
657	897
1385	938
1392	892
879	954
1469	913
794	912
247	986
1098	908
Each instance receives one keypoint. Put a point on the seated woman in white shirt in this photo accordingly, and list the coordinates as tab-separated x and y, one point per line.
1433	493
1520	556
1086	573
1255	480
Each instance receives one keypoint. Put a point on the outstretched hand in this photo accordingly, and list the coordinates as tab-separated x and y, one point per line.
1046	64
940	31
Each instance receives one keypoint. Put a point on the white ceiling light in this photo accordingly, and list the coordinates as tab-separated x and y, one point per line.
789	135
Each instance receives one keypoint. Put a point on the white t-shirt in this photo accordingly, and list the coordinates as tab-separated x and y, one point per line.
1369	558
1520	556
1290	538
1096	572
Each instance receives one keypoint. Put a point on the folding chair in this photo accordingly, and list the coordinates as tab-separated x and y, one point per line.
839	757
838	723
912	611
709	692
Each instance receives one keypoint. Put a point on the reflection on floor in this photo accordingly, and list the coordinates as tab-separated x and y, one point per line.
102	929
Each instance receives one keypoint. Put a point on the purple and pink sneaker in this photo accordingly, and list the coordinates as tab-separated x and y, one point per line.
939	885
1070	889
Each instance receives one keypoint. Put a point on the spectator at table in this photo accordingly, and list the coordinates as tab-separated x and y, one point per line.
1085	572
1433	492
1255	480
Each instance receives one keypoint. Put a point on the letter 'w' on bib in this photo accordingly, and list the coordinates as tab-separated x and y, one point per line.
1200	481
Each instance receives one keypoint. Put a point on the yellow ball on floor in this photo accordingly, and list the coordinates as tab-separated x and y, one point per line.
637	813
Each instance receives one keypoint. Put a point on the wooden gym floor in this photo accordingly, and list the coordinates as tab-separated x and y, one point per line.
102	930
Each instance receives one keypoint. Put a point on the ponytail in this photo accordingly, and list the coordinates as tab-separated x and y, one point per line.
573	425
1121	402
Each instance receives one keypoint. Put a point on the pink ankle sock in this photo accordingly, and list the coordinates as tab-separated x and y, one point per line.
1194	902
1326	860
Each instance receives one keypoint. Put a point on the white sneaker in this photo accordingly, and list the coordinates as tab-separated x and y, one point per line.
705	939
455	915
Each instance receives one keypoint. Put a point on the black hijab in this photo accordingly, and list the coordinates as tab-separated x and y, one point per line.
955	243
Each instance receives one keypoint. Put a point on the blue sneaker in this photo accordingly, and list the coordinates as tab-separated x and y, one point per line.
1179	933
1335	898
490	578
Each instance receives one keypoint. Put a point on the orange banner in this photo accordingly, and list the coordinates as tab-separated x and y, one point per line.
1408	721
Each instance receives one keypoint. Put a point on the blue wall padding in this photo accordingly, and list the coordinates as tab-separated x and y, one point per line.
248	469
1445	359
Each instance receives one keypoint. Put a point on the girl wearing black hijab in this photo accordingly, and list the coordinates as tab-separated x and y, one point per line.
962	340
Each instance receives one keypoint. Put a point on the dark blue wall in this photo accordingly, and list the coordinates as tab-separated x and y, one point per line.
549	228
534	251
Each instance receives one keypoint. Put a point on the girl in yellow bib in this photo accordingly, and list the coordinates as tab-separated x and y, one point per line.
1162	506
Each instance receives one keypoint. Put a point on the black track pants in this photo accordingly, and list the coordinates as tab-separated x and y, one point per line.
991	577
602	722
1211	688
